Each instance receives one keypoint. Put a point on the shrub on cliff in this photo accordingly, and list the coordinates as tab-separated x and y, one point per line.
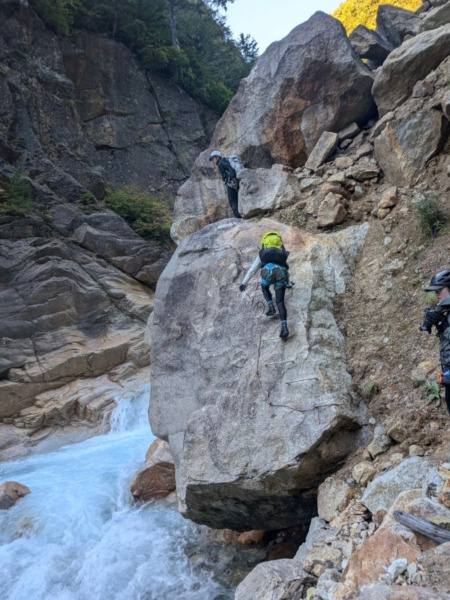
364	12
15	195
147	215
430	218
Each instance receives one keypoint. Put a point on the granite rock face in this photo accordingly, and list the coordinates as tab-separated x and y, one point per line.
396	24
381	493
422	116
108	236
254	424
403	161
76	285
75	115
310	82
261	190
71	331
407	65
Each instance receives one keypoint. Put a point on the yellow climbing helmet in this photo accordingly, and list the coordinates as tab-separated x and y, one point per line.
271	239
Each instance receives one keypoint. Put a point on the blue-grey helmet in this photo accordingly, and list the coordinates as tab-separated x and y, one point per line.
439	281
215	153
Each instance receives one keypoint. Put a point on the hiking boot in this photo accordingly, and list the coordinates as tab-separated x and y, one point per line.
271	311
284	331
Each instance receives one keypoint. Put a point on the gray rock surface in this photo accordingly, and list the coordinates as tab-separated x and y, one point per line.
108	236
322	150
446	104
307	83
261	190
368	44
397	152
275	580
436	17
435	561
406	65
253	424
332	498
408	475
396	24
289	80
380	443
71	329
75	114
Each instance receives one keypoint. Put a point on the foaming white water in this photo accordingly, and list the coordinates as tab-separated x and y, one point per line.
79	536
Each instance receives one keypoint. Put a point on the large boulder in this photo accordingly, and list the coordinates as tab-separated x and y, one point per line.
423	116
368	44
436	17
254	424
395	24
403	160
267	189
407	65
310	82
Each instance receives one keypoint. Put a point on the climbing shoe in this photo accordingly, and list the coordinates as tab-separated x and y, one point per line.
271	311
284	331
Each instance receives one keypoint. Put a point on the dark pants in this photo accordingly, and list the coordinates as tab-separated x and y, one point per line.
233	200
280	290
447	395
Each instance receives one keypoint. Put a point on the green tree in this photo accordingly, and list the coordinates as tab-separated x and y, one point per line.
248	47
59	14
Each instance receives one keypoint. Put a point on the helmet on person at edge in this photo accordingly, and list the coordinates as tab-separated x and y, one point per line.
215	153
439	281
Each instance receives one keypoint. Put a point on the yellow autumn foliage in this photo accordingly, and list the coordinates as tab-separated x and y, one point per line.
352	13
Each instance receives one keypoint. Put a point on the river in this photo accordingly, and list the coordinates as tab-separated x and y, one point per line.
79	536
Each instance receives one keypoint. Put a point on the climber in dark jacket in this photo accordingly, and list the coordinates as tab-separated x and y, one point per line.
274	271
229	178
440	318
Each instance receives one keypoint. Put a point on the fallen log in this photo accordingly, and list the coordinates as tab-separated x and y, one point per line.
419	525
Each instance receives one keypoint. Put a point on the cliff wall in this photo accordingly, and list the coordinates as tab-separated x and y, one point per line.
76	282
